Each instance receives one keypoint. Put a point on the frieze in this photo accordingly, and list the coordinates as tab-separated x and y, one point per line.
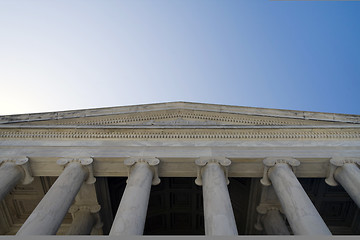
91	133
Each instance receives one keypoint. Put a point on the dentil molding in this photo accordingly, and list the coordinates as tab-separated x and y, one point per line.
223	133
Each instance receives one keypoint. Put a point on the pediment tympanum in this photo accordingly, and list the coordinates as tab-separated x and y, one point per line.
178	118
180	114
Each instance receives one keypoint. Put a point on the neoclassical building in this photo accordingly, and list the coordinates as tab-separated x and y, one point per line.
180	168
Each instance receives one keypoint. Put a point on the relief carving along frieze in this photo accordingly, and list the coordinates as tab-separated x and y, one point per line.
84	133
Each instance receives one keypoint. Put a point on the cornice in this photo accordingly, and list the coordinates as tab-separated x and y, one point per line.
181	117
182	106
186	117
132	133
45	127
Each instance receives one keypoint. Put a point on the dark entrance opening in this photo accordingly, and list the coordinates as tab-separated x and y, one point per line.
176	205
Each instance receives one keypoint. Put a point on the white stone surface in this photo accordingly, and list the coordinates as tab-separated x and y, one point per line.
183	106
131	215
179	161
10	175
274	224
83	222
269	216
49	213
349	177
218	212
178	133
299	210
85	212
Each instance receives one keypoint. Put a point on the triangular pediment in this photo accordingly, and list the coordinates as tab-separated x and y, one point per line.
181	117
180	114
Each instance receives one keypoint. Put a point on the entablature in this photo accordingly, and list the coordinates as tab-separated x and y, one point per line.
179	167
140	132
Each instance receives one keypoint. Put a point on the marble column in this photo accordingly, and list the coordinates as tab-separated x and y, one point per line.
273	223
218	213
49	213
83	222
298	208
270	214
131	215
85	212
346	172
13	171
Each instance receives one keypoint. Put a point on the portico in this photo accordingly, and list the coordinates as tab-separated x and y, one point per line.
214	145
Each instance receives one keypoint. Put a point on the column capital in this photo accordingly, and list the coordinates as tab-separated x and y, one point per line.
86	162
203	161
272	161
340	161
336	162
23	163
153	163
262	210
93	209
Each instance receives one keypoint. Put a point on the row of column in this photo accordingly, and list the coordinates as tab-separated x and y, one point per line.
301	214
218	214
212	175
48	215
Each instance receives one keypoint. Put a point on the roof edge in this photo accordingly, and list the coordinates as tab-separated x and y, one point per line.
254	111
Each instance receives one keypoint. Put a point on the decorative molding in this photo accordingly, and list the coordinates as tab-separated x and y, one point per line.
201	162
109	133
336	162
23	163
151	161
169	107
272	161
85	162
182	117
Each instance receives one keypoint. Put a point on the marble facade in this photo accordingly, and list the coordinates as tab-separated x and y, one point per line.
60	172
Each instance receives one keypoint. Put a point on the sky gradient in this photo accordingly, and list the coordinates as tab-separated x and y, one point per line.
65	55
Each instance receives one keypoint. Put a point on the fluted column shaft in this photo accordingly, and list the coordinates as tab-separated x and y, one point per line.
49	213
348	176
218	212
131	215
10	175
299	210
83	223
274	224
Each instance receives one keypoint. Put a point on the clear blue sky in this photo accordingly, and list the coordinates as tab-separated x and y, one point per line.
64	55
